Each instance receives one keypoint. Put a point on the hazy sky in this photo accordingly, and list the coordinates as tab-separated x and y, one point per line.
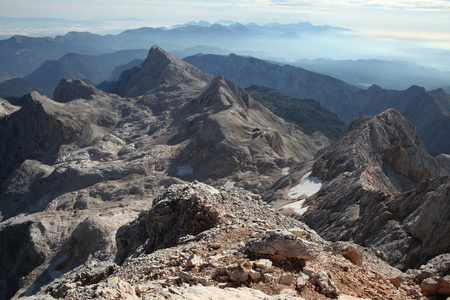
406	18
413	30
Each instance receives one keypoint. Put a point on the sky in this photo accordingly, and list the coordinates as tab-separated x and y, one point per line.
410	19
413	23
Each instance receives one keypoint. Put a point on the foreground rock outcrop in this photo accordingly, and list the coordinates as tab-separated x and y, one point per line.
214	249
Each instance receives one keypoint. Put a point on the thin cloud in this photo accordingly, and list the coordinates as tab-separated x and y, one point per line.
438	5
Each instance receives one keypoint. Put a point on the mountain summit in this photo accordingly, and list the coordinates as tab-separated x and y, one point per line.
161	71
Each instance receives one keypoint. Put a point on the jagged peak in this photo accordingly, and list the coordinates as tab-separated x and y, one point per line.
223	92
374	87
68	90
416	89
387	140
157	52
163	71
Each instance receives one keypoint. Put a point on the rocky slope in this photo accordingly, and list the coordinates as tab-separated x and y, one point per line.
309	114
87	162
426	110
6	108
382	191
199	242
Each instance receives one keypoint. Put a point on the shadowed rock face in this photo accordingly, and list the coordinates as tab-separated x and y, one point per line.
68	90
370	172
36	131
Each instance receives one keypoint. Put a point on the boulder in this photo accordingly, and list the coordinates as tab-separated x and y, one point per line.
281	245
436	286
302	280
182	210
321	279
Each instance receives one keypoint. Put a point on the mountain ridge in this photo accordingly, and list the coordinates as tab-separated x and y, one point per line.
420	107
376	162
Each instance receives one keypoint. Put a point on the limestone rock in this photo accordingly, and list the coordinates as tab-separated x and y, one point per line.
440	263
302	280
39	128
281	245
286	279
321	279
182	210
386	140
264	264
378	174
239	275
162	71
352	252
91	238
68	90
110	289
6	108
194	261
436	286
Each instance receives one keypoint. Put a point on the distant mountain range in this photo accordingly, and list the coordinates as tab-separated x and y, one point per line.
428	111
96	68
396	75
283	43
21	55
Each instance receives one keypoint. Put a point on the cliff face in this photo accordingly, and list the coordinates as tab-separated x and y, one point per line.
370	172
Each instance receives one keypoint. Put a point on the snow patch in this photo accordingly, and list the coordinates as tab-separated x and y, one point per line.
297	207
308	186
185	170
285	171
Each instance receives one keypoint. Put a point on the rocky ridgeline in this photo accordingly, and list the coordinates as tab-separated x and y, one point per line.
6	108
95	199
383	191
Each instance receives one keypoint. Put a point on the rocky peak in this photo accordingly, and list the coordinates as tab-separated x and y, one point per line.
68	90
163	71
6	108
415	89
378	173
374	87
223	93
386	140
37	130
